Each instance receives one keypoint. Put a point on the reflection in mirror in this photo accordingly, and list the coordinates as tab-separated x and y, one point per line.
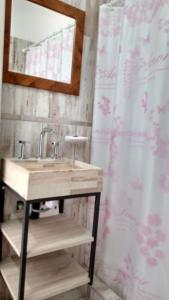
41	42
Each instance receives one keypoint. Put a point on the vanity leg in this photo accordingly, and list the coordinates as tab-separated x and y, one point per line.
61	206
2	201
23	258
94	233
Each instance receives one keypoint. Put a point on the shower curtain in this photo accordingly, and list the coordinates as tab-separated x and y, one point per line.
131	143
52	58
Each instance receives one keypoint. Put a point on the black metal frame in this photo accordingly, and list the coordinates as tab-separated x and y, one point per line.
23	258
94	233
25	228
61	206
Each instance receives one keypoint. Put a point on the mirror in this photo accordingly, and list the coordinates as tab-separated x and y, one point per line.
43	45
46	52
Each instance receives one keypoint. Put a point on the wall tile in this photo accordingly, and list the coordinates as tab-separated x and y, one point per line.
29	132
7	138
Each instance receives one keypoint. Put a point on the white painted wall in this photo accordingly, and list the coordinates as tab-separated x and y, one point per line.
2	16
33	22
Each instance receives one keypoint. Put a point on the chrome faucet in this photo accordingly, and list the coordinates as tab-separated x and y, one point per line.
55	150
41	141
23	145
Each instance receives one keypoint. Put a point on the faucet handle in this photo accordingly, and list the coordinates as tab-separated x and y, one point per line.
23	143
56	150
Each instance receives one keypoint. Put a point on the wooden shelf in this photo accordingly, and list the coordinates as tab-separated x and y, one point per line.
46	275
46	235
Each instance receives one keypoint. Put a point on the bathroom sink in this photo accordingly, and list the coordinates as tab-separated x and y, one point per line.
36	179
33	165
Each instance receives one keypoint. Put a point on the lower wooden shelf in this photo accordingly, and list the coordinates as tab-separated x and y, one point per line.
46	235
46	275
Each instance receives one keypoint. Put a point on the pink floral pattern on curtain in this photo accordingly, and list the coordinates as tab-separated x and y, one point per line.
52	59
131	142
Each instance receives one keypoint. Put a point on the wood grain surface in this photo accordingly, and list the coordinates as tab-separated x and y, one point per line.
46	234
46	276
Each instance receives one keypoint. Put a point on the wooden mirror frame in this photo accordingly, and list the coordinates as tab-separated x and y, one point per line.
71	88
